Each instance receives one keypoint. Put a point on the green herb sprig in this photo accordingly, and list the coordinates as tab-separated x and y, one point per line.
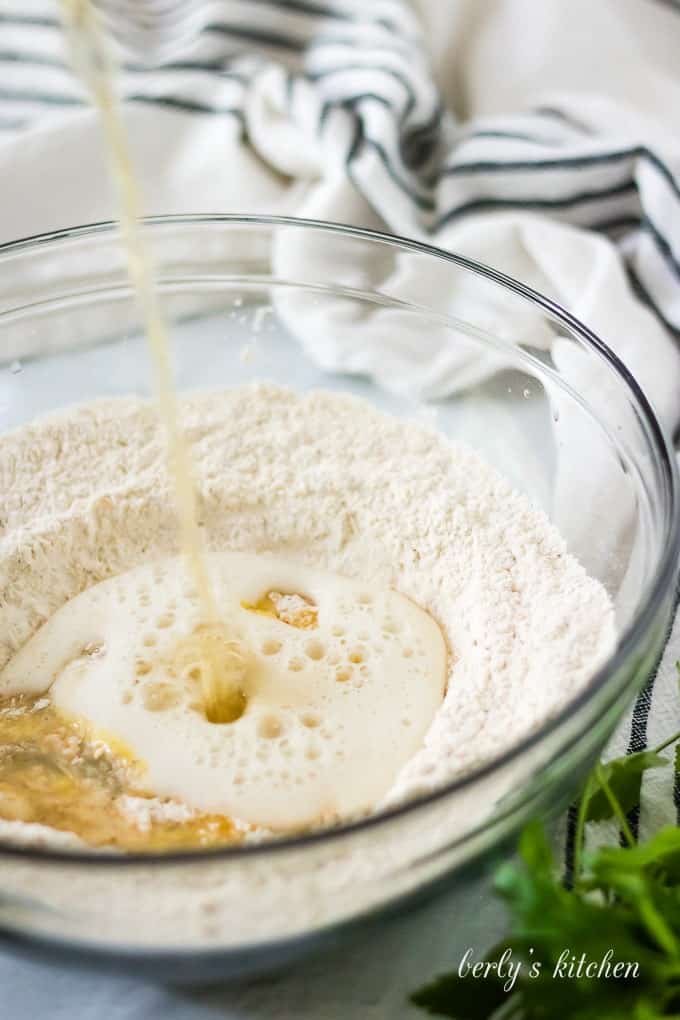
624	901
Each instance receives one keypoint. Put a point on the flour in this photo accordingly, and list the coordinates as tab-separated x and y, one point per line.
325	479
144	811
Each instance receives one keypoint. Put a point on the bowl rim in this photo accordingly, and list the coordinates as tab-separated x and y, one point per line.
658	588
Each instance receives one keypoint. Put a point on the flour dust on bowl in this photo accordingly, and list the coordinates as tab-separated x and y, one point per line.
439	519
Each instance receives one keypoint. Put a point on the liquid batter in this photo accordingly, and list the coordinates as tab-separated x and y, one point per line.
345	680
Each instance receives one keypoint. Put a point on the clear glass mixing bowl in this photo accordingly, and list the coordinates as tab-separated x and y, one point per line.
505	370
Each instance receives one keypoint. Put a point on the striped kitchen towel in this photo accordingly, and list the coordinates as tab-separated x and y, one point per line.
542	139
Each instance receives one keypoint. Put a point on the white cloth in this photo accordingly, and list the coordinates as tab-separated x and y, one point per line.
539	138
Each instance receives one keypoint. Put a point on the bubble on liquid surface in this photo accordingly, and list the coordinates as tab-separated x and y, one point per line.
270	727
159	697
310	719
315	650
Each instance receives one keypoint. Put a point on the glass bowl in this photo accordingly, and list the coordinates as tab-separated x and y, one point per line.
472	353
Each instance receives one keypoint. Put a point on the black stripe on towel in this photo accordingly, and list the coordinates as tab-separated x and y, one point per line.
417	143
662	244
617	225
349	104
564	118
218	67
432	123
331	13
46	98
561	202
37	20
36	59
620	224
353	151
352	44
637	740
173	102
570	846
485	166
10	124
565	162
645	296
391	72
513	136
643	703
308	7
421	199
276	40
190	106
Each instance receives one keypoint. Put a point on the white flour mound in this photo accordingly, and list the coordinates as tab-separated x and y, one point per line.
327	480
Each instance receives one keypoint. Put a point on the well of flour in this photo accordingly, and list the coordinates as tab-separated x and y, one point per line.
339	697
345	543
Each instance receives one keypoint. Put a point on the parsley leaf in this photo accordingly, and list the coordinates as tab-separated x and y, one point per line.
624	778
463	998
